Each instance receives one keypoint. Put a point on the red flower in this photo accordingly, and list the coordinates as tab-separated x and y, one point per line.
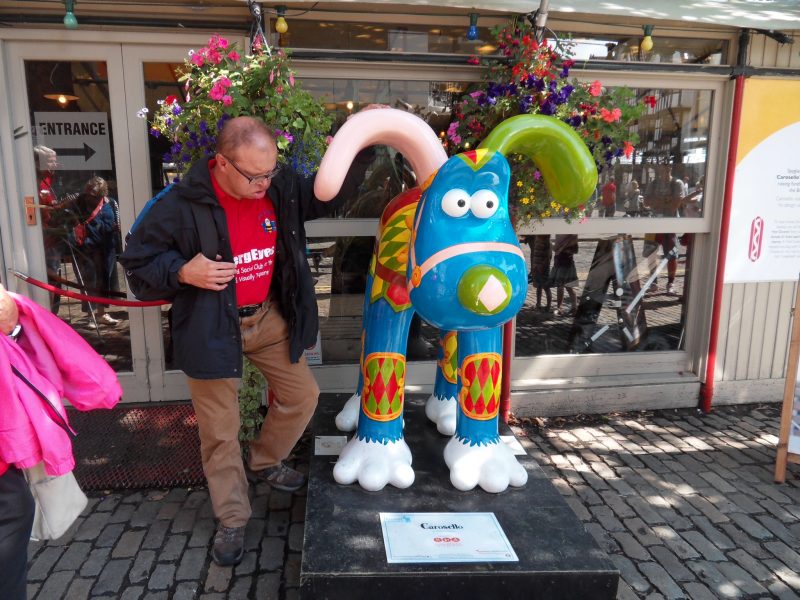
650	101
567	64
610	116
170	100
596	88
473	60
627	149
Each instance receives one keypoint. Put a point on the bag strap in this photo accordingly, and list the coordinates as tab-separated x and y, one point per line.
206	230
59	420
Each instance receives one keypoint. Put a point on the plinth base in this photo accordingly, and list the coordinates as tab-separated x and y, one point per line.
343	550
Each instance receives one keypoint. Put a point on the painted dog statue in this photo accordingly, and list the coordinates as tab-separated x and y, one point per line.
447	250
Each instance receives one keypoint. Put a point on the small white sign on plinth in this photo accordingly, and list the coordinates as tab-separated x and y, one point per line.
445	538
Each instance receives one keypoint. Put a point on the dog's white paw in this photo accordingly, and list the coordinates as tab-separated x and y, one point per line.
347	419
374	464
494	466
442	411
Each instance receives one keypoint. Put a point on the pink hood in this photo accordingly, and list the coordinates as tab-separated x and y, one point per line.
61	365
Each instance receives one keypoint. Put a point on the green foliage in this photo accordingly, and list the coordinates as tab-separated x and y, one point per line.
251	397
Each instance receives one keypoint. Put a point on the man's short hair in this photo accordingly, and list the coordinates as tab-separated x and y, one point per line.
243	131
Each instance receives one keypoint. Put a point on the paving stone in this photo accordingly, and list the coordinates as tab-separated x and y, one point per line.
617	504
173	548
707	509
291	570
719	539
671	563
32	589
241	589
643	533
714	579
141	566
625	592
268	585
248	564
778	530
128	544
785	554
109	535
697	591
195	500
621	487
218	578
108	503
202	533
168	511
271	558
192	563
630	547
741	578
55	584
74	556
145	514
92	526
185	590
254	533
132	592
43	564
745	503
184	521
162	577
784	573
751	527
156	596
780	590
299	509
177	495
122	514
155	534
741	540
78	590
675	542
278	523
279	500
660	579
112	576
703	545
95	563
778	511
296	533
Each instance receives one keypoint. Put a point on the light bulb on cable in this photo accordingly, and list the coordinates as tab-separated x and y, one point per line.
647	40
70	22
281	26
472	32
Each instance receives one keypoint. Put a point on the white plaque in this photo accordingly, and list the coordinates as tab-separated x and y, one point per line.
445	538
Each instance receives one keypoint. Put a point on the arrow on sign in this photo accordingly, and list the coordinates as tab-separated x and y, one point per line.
87	151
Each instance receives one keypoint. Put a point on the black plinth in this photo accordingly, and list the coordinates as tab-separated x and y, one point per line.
343	552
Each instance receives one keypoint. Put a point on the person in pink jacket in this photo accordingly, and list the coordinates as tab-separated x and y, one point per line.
37	346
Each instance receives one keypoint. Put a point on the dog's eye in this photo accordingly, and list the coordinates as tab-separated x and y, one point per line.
484	203
456	203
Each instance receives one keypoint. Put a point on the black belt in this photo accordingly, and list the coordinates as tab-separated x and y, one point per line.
251	309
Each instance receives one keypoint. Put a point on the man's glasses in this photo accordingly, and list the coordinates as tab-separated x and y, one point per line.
254	179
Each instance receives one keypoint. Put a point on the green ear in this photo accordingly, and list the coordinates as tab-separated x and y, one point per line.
567	166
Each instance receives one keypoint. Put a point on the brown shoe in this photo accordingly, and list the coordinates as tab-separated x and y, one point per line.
228	547
280	477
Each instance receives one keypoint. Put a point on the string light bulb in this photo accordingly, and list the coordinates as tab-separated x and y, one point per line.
472	32
647	40
70	22
281	26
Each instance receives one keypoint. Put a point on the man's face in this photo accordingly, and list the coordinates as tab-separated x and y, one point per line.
234	168
52	162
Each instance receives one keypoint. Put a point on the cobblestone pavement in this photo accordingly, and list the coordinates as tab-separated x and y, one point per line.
684	504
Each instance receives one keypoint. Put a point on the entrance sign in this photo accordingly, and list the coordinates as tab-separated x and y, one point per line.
764	237
445	538
80	139
789	440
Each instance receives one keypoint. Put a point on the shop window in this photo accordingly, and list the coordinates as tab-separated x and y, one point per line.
625	47
604	293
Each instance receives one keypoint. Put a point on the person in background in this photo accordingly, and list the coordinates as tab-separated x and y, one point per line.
633	200
16	502
609	198
664	197
95	245
564	275
541	254
255	295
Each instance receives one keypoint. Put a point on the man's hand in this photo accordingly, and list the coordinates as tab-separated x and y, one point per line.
207	274
9	314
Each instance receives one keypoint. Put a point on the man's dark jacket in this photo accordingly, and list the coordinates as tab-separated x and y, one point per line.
205	324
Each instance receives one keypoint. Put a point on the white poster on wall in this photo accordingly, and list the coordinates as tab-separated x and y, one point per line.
764	235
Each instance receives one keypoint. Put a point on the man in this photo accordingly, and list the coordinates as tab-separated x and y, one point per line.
253	294
664	196
609	198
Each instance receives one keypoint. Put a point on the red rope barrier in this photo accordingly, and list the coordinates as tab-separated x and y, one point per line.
96	299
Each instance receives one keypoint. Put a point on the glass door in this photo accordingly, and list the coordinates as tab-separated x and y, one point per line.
73	161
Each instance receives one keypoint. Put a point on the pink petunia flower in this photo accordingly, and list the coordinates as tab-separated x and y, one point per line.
227	100
224	81
452	133
217	91
214	57
197	59
596	88
234	55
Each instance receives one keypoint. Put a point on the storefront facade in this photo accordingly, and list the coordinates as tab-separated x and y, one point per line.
417	62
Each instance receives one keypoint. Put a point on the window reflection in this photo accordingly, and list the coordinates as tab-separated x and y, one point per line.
618	293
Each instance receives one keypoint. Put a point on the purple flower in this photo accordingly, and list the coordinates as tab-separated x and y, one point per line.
548	107
564	73
525	103
167	157
176	109
185	157
552	86
155	132
565	93
537	175
574	121
176	148
168	122
203	127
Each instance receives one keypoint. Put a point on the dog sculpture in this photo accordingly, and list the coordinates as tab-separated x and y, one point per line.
447	250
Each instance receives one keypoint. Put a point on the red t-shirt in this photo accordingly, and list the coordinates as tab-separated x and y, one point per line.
609	194
253	233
